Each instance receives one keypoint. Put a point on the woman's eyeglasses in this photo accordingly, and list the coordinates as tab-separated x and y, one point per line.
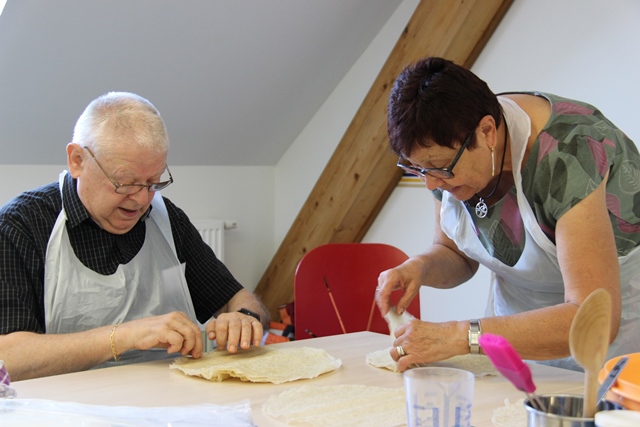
442	173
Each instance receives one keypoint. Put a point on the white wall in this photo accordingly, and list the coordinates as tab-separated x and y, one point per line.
582	49
586	49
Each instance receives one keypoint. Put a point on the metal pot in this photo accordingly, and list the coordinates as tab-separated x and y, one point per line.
563	410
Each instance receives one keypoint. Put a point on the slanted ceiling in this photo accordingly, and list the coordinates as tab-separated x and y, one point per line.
235	80
361	174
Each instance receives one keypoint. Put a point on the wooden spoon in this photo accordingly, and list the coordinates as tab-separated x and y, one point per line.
589	342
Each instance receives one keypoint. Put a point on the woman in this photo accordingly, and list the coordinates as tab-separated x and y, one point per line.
542	190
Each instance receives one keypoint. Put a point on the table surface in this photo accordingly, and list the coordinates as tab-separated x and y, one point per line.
154	384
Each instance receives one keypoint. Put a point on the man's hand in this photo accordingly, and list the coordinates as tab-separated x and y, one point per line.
233	330
173	331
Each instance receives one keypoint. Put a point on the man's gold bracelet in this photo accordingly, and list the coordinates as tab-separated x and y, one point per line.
112	339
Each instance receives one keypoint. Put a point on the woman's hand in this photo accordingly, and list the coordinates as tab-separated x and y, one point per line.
406	278
426	342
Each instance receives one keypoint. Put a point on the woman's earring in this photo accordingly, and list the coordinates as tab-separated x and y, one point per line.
493	163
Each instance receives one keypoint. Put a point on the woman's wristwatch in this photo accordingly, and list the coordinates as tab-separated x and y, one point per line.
475	330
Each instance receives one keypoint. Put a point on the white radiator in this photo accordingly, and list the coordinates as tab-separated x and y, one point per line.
212	232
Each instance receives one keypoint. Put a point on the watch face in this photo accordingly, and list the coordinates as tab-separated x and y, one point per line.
249	313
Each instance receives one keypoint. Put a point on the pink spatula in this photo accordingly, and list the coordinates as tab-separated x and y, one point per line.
508	363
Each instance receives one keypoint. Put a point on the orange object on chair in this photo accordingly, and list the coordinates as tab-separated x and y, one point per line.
335	285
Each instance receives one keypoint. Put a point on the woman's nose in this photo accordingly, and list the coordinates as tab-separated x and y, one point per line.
431	182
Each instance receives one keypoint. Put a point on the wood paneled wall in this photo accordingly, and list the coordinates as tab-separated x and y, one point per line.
362	172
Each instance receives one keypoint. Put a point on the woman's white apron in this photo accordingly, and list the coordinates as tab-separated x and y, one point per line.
77	298
536	280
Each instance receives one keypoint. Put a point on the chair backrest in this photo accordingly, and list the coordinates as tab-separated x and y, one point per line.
344	274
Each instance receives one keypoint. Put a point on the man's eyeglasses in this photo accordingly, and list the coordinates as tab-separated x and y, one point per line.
132	188
442	173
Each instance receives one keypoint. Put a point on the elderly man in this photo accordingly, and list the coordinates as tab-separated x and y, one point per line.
98	268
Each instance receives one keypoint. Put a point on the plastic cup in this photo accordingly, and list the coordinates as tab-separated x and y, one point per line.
438	397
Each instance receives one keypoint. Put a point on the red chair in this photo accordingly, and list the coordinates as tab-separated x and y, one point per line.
334	289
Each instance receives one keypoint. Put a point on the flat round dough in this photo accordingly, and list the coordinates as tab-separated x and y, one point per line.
260	364
351	405
478	365
382	359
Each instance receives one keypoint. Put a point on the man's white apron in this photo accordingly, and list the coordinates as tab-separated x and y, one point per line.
77	298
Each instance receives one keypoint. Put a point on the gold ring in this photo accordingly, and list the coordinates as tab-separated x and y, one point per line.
400	351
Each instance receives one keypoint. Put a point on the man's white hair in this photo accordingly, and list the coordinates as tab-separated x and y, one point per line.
121	118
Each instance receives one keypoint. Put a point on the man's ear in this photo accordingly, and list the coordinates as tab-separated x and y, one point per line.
75	159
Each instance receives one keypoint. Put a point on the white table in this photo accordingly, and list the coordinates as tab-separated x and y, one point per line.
154	384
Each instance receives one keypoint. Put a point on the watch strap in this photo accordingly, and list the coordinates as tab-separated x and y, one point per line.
249	313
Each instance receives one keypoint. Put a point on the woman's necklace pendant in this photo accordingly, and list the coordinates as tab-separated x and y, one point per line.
481	209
